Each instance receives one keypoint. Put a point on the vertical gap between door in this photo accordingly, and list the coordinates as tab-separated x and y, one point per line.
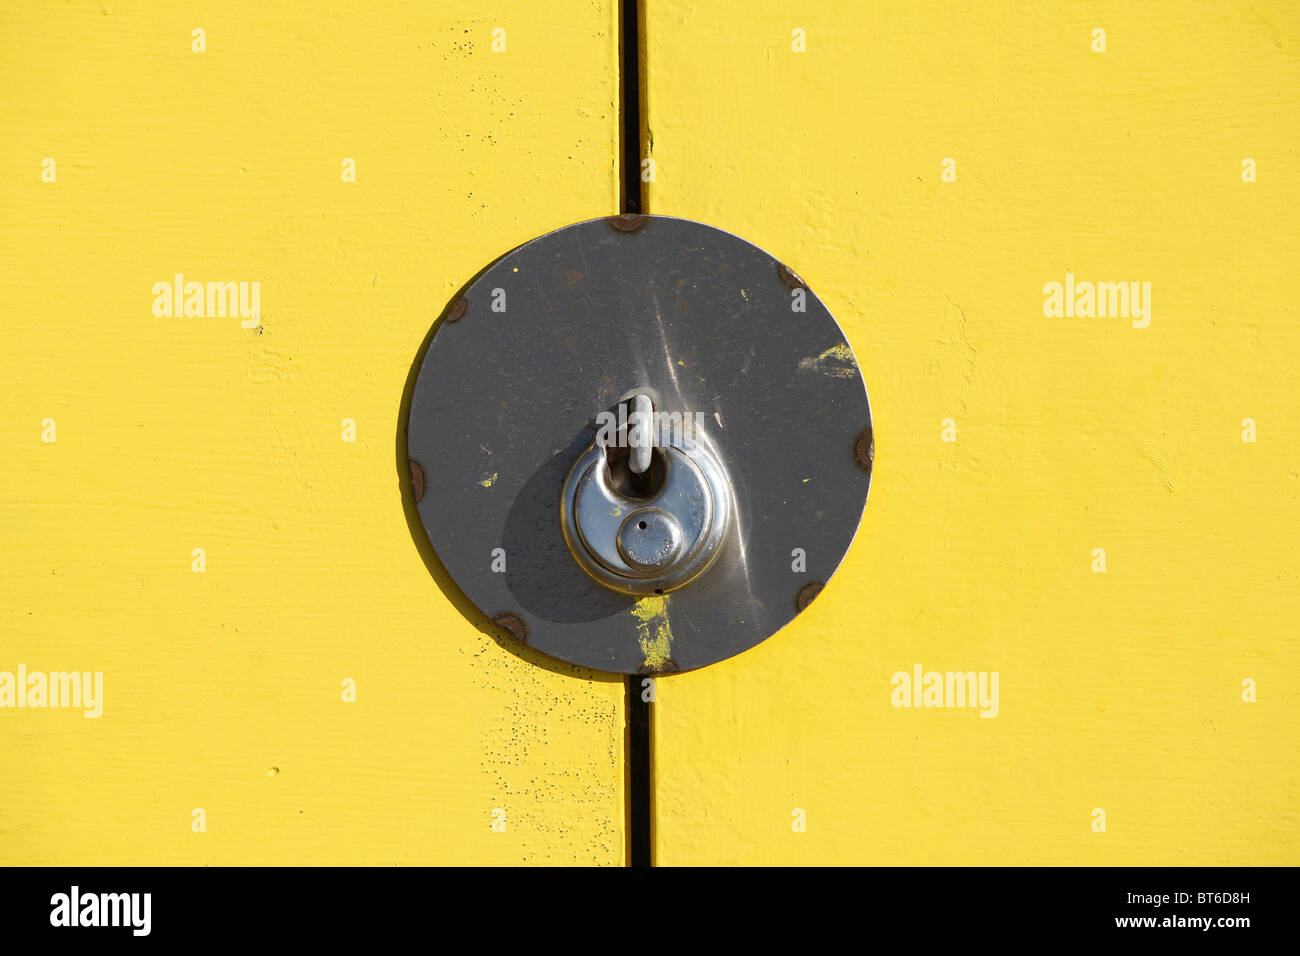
639	740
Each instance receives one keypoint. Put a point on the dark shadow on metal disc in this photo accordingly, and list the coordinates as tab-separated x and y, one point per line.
419	536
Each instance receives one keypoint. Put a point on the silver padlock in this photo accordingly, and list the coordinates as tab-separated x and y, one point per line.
646	508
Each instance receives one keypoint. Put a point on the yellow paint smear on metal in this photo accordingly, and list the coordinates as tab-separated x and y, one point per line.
837	361
654	632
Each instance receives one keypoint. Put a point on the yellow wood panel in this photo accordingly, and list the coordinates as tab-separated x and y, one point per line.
1120	691
223	689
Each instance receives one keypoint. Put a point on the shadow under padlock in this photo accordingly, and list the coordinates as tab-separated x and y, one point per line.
540	573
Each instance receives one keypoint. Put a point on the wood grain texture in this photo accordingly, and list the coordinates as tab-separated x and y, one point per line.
1118	690
223	689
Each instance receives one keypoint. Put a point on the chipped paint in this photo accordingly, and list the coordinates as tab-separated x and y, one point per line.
654	633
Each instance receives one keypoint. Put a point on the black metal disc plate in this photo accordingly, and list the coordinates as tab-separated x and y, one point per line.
566	326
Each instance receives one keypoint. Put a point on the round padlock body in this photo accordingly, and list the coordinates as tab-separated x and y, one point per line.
654	540
515	428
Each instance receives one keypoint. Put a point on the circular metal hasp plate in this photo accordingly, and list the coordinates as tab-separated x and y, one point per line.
568	326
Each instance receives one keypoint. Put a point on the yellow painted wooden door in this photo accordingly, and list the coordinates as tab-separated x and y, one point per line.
1101	510
212	515
1092	499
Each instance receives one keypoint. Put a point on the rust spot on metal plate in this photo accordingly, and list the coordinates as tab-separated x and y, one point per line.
458	309
417	479
512	623
807	593
626	223
864	450
790	277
